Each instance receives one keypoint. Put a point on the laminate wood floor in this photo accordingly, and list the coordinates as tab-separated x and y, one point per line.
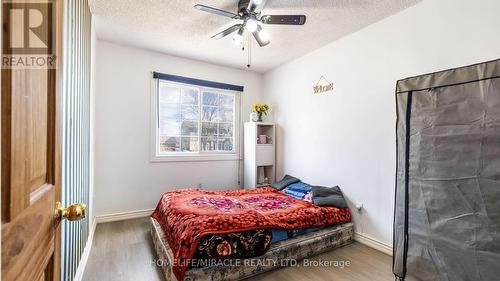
123	251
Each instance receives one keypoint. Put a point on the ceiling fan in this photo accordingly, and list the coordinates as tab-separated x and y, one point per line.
249	11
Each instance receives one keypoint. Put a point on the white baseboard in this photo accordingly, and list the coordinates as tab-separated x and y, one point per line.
123	216
373	243
86	252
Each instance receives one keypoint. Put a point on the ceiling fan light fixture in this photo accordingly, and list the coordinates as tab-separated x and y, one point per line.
251	25
261	37
238	37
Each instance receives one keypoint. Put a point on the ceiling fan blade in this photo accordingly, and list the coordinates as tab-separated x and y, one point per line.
284	19
228	31
256	6
216	11
257	35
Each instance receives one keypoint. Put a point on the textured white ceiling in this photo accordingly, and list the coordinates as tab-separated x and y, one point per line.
175	27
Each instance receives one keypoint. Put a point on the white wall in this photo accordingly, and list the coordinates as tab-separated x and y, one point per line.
348	137
125	180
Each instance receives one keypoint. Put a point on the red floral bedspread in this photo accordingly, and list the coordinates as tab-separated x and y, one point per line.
187	215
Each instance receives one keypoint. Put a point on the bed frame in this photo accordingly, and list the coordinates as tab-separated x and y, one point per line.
281	253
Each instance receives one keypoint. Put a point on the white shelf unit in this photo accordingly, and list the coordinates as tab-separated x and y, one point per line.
259	158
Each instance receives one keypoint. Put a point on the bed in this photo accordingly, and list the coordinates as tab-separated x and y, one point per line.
232	235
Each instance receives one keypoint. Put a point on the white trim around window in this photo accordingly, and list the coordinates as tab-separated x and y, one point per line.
156	156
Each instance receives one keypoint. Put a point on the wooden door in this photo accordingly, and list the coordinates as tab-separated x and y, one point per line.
31	169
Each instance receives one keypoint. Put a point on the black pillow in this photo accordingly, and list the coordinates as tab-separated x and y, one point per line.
328	196
286	181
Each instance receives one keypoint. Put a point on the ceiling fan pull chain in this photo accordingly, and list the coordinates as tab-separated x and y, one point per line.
249	51
244	42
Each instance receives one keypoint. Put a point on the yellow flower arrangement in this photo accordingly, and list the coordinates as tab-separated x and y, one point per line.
260	108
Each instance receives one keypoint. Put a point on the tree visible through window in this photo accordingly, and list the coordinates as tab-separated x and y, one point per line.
195	120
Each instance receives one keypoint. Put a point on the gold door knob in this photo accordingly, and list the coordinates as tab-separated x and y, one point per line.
74	212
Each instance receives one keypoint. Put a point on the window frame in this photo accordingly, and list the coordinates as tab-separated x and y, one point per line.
156	156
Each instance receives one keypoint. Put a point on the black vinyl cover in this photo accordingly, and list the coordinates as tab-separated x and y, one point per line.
447	205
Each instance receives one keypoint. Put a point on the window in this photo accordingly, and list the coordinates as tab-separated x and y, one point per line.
194	122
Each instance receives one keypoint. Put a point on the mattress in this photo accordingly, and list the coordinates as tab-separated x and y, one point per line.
280	254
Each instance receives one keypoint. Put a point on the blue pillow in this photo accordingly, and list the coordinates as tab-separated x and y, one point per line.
299	186
299	190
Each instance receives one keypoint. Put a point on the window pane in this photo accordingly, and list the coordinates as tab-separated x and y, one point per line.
226	101
208	129
210	98
208	144
170	112
190	112
226	129
189	96
225	115
225	144
169	128
209	114
189	128
169	144
169	94
189	144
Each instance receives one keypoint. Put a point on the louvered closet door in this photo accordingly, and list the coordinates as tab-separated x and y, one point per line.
76	129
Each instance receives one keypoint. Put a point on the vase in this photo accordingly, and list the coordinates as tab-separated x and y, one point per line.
253	116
